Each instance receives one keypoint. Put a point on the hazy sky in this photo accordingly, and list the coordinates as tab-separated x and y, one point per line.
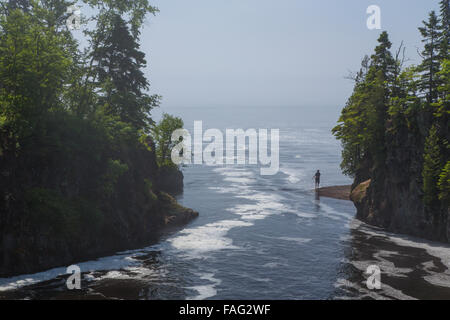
221	53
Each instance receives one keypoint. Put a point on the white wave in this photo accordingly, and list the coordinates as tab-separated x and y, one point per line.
223	189
293	175
231	170
364	292
131	272
273	265
435	249
387	267
206	238
237	176
240	180
205	291
263	206
332	213
237	173
296	240
119	261
439	279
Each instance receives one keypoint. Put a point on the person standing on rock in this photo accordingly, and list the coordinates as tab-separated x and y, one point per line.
317	179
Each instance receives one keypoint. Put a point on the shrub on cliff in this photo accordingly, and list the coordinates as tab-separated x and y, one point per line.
162	136
444	185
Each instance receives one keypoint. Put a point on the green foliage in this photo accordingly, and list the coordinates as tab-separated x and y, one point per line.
431	167
54	214
136	11
444	184
149	187
382	60
390	103
118	69
114	171
443	104
74	124
445	29
429	67
361	125
34	68
162	135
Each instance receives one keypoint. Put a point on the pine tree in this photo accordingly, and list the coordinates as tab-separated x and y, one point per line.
381	83
431	59
382	60
23	5
119	65
362	124
445	30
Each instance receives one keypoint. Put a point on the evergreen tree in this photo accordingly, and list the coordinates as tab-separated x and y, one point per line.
118	67
431	58
23	5
443	104
380	85
431	168
445	29
382	60
361	127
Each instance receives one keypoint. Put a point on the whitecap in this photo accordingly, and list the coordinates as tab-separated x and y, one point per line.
210	237
205	291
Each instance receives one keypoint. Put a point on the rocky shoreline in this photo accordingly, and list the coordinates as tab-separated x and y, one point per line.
173	216
32	252
335	192
360	195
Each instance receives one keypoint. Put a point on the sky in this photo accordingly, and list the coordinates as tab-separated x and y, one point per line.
237	53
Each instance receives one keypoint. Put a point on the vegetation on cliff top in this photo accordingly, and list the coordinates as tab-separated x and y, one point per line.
77	159
396	109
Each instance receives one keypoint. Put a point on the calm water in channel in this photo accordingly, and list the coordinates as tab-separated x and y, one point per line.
261	237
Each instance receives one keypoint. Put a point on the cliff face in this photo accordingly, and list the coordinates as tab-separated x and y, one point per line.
170	180
393	197
59	208
33	249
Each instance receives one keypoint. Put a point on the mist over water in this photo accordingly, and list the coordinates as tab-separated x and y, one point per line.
261	237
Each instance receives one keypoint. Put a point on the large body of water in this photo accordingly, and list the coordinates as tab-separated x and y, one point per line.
261	237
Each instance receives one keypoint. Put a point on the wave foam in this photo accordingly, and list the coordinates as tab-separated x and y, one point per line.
210	237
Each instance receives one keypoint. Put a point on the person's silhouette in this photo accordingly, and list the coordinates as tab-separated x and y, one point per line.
317	179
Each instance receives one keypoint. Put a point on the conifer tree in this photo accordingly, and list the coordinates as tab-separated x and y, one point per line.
382	60
431	59
119	65
23	5
445	29
362	124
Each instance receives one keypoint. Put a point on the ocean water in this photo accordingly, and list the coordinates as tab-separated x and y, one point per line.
261	237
